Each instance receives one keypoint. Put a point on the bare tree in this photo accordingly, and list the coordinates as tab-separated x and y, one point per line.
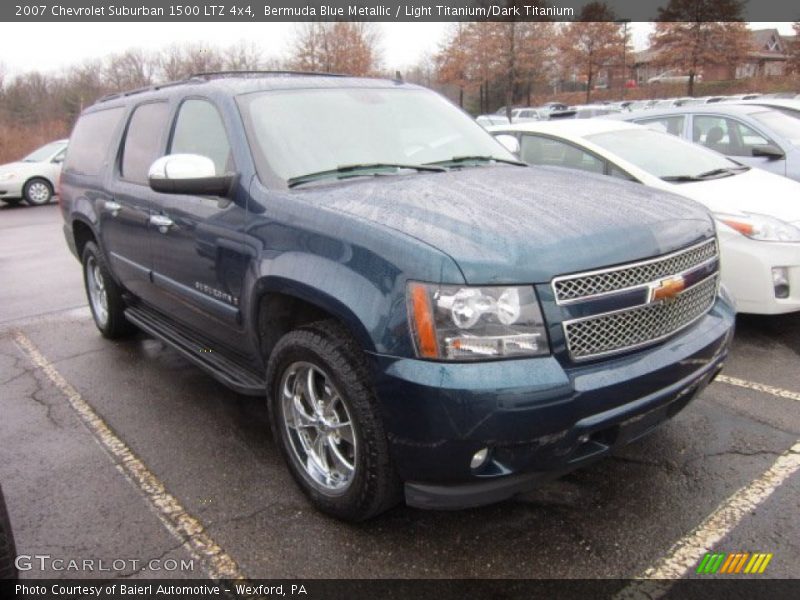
242	57
129	70
592	44
794	50
179	62
338	47
453	60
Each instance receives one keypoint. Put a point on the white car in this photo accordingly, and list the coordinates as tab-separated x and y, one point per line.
33	178
757	213
489	120
673	77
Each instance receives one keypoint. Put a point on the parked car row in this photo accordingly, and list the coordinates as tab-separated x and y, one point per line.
660	103
550	111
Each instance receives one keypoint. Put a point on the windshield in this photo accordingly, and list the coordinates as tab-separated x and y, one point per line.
297	132
785	126
661	154
44	153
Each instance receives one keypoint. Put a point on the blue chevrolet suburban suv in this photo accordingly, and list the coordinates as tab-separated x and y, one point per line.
428	318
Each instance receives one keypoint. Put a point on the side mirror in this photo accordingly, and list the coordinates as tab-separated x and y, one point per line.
509	142
189	174
770	151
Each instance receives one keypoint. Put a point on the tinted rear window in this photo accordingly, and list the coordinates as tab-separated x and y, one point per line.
143	141
88	145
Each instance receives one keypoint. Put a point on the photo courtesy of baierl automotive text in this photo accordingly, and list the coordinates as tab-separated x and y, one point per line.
400	299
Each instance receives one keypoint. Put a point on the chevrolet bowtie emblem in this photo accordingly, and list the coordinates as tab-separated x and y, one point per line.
666	290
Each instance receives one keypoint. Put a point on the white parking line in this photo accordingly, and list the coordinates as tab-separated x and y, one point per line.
684	555
758	387
175	518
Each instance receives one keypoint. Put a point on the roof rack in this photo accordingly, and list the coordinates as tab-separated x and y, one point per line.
255	73
150	88
208	75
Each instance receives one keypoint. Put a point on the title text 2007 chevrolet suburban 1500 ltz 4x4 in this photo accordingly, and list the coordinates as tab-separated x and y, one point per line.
426	316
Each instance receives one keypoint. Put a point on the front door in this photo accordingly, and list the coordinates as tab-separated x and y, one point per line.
737	140
198	261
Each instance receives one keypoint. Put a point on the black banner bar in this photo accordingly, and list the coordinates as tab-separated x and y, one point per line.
708	587
393	10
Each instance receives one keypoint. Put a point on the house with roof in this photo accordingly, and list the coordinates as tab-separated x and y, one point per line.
767	58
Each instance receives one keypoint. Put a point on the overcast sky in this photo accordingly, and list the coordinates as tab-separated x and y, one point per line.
49	47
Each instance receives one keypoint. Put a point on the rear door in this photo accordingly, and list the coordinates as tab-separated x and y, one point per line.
125	217
198	257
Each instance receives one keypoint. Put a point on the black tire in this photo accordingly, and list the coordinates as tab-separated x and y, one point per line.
37	191
11	201
8	551
113	324
375	486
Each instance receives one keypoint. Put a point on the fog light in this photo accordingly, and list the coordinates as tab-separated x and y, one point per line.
780	281
479	458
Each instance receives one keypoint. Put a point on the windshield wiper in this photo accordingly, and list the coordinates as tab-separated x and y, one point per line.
459	160
359	170
712	174
680	178
723	172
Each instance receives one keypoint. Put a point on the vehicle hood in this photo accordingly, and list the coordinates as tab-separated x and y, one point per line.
510	224
754	191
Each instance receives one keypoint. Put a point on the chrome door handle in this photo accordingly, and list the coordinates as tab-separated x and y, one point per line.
162	222
112	207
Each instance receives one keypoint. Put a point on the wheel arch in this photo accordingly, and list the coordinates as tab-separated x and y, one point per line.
42	178
282	305
82	232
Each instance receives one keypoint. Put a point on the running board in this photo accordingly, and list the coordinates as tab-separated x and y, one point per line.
223	369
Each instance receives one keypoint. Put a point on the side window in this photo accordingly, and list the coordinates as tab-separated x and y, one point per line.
673	125
747	138
615	171
537	150
712	132
728	136
143	141
89	142
199	130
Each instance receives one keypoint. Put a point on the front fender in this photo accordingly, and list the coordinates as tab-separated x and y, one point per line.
368	309
352	268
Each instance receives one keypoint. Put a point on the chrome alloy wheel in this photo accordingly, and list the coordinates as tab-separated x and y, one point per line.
38	192
96	286
319	427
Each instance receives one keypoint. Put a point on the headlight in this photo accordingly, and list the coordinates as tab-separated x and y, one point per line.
451	322
761	227
7	176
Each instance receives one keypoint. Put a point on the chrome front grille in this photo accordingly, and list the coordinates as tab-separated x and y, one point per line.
609	333
573	288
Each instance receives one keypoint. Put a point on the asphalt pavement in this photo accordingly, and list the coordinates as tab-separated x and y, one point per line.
117	451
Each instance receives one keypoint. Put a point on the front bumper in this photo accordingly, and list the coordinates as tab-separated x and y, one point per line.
539	418
10	189
747	272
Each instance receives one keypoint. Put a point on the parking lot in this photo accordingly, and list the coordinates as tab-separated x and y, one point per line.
123	450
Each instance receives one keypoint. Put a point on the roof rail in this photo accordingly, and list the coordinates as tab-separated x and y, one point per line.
150	88
255	73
